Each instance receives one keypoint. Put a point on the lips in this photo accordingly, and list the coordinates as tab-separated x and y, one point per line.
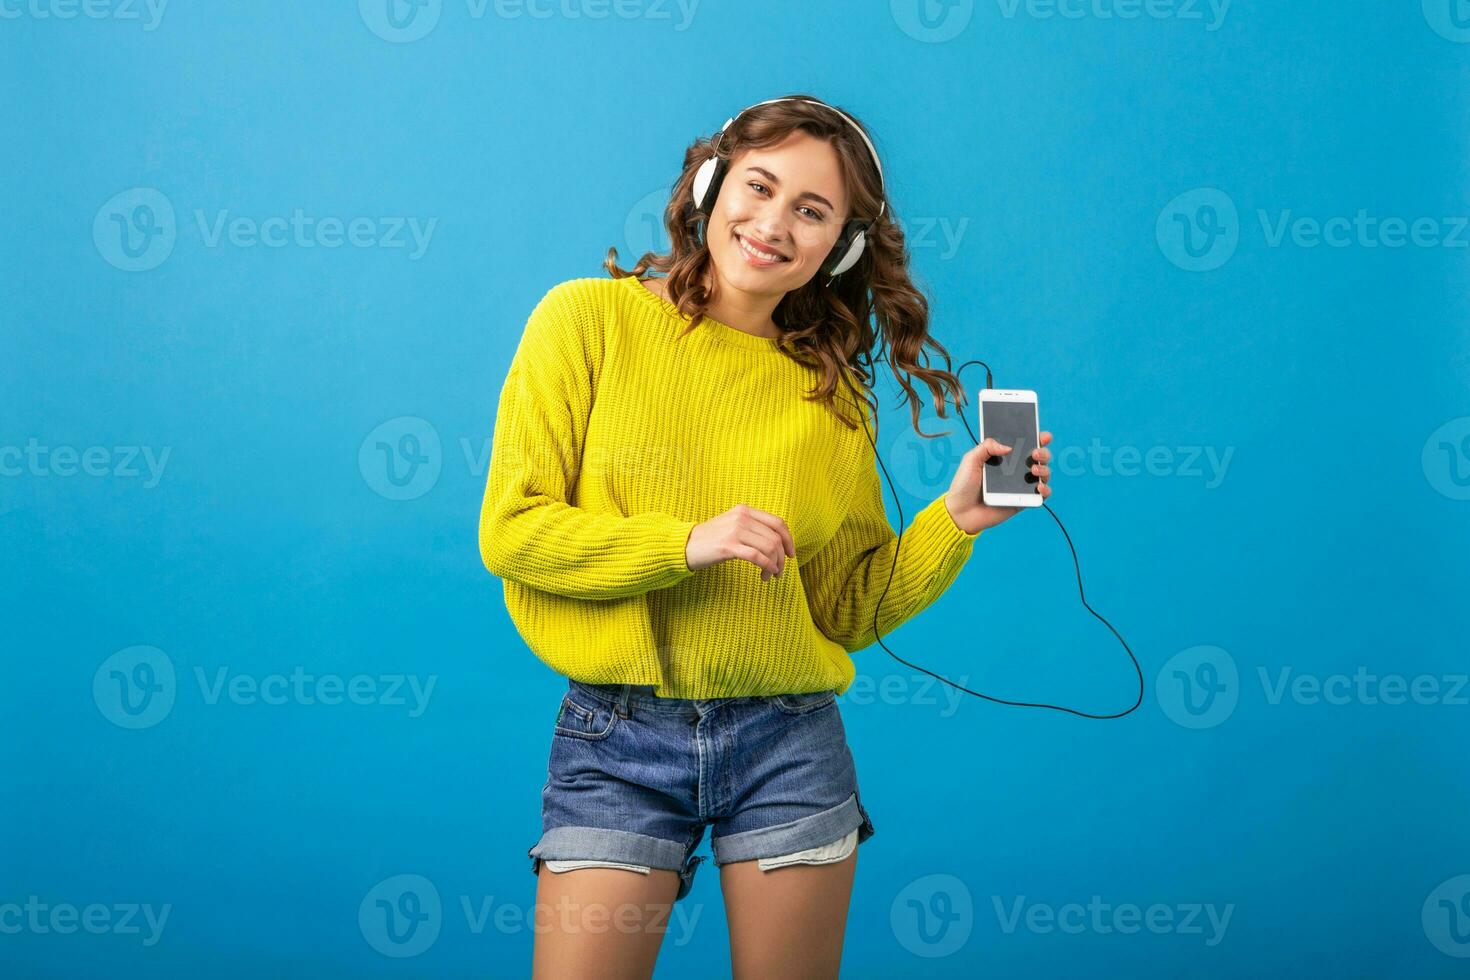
753	245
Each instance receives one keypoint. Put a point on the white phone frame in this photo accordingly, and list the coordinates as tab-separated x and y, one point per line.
1008	499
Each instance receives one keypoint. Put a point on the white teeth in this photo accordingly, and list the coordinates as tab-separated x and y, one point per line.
766	256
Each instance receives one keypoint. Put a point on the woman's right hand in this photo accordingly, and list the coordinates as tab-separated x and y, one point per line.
756	536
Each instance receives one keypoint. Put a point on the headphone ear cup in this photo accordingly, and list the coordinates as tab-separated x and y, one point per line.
702	178
707	180
846	252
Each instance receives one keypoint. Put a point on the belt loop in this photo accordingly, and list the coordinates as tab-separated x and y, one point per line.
623	695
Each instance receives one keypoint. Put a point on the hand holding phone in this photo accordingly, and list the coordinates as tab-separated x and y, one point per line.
1010	418
1009	464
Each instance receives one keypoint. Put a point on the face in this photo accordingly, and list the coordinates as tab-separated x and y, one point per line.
787	201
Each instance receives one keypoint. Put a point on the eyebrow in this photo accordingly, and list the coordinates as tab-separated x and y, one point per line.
804	195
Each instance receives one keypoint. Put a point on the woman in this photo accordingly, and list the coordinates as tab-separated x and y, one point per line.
654	441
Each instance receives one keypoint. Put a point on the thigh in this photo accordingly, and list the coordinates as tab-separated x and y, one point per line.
602	922
797	791
618	788
787	922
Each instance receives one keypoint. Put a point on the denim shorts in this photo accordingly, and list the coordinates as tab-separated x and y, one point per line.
635	778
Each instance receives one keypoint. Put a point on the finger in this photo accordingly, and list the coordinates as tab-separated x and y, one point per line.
1044	438
1041	456
754	528
1044	489
775	523
990	448
1041	471
763	537
760	537
755	556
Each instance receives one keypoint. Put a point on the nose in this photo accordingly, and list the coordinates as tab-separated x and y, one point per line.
770	225
770	218
777	223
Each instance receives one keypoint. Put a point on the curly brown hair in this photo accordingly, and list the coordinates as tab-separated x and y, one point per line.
823	327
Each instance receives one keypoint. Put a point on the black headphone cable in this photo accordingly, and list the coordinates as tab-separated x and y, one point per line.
1075	564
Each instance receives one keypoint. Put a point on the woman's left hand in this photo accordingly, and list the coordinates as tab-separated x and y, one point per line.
964	501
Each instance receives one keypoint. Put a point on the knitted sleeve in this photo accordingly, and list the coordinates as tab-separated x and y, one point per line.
845	579
529	532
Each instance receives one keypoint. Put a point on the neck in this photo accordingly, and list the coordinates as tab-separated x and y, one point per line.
748	312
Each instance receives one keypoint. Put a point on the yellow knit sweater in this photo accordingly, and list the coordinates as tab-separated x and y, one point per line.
614	437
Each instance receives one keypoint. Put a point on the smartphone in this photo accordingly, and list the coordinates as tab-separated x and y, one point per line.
1010	418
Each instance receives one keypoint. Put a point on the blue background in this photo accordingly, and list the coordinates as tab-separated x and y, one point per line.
1333	542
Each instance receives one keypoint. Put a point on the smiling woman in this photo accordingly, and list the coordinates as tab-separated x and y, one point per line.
793	181
654	441
751	255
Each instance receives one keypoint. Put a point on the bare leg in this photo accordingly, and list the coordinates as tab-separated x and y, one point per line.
600	922
787	923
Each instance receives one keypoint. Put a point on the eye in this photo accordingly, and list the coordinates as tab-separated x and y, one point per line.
815	214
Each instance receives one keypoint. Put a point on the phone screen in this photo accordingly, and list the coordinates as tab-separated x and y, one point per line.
1011	424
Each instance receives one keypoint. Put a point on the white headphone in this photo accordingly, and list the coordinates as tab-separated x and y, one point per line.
848	248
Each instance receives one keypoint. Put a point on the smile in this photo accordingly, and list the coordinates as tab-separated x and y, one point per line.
758	256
